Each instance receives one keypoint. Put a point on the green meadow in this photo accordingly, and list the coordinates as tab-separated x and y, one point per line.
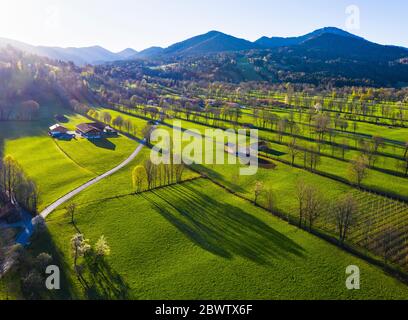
195	241
60	166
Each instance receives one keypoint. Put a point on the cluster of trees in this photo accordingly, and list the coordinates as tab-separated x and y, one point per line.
23	111
313	204
26	80
33	276
150	176
117	122
27	268
94	255
16	187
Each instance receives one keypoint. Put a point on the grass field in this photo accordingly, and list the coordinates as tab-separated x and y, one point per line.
59	166
195	241
332	163
376	214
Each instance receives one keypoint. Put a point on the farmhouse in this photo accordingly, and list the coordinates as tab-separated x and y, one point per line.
57	131
234	149
95	130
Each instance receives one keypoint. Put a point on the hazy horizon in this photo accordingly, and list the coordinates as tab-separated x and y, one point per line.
117	25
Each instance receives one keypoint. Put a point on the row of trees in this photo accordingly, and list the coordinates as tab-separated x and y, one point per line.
117	122
150	175
312	204
24	111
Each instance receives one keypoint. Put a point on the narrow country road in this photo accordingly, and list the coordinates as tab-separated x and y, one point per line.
26	224
73	193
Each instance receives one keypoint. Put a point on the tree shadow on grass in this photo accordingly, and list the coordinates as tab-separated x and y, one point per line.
218	177
45	243
221	228
274	152
103	143
106	284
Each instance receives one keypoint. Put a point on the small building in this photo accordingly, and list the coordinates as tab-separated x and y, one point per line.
88	131
95	130
106	130
255	147
57	130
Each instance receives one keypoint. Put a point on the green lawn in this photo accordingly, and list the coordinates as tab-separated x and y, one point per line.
190	241
60	166
54	173
395	185
195	241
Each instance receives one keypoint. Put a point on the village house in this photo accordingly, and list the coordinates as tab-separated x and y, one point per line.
57	131
95	130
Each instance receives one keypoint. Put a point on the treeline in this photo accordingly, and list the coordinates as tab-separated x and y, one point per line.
16	187
150	175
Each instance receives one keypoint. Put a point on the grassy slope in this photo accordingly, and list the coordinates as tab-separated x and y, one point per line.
54	173
201	252
60	166
196	241
97	156
395	185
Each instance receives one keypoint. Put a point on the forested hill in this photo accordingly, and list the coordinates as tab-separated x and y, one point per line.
27	80
325	56
326	60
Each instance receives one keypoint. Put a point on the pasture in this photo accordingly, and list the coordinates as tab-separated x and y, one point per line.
195	241
60	166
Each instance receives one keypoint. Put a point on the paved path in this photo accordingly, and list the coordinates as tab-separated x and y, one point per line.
45	213
26	224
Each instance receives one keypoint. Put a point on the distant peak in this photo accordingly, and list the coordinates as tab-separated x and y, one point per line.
215	32
127	50
330	29
333	30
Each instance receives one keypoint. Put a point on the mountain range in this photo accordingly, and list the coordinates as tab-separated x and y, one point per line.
329	55
80	56
209	43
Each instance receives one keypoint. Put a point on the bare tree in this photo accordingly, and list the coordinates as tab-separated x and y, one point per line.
313	204
403	165
294	149
270	199
344	147
129	126
378	142
358	169
150	173
301	194
70	209
385	240
345	210
258	190
312	158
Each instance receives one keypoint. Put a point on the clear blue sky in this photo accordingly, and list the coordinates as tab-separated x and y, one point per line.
117	24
